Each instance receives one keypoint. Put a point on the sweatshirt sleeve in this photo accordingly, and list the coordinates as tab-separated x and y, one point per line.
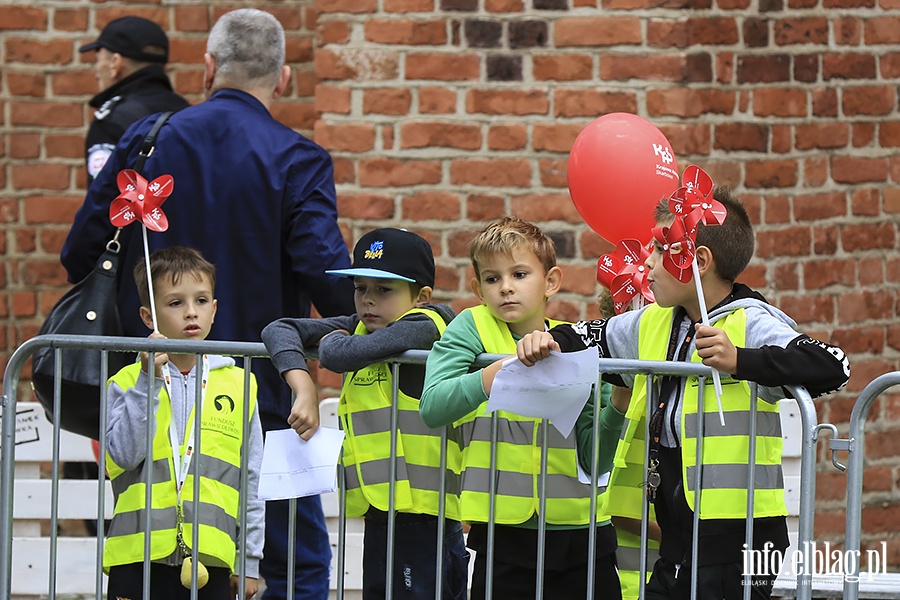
611	421
452	389
286	339
347	353
819	367
256	508
126	430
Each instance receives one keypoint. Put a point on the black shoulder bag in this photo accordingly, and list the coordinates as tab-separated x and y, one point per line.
89	308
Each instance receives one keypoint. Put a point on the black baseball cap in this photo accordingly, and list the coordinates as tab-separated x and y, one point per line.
134	37
392	254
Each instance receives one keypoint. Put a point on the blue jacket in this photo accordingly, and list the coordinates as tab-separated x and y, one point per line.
255	197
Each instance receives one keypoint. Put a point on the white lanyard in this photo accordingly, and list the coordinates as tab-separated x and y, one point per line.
182	463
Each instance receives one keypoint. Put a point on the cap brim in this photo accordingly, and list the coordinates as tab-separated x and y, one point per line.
88	47
374	273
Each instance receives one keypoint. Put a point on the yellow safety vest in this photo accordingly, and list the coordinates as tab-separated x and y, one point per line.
219	466
519	442
365	413
725	449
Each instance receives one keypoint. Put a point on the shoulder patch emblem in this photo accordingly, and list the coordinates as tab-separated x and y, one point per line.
107	108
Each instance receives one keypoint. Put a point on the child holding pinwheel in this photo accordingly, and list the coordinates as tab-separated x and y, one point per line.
747	340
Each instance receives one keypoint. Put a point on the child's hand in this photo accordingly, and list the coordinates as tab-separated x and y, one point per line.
535	346
251	586
304	417
160	359
716	349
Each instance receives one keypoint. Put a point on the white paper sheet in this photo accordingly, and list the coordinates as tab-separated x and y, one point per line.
555	388
293	467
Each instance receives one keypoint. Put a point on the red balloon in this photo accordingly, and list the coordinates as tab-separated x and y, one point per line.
620	166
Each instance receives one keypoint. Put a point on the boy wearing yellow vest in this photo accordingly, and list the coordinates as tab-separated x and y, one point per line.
393	276
748	340
183	284
515	275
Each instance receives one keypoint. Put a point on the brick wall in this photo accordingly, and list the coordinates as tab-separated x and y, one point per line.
442	114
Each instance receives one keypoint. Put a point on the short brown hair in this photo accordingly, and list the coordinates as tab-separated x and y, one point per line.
731	243
504	235
172	262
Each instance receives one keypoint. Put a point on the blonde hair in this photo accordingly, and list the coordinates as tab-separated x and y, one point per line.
502	236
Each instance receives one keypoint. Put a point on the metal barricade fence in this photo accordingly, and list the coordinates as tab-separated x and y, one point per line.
648	370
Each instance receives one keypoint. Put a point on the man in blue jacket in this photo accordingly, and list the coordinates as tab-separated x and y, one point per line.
258	200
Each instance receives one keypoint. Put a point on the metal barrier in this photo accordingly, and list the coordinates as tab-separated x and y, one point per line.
647	369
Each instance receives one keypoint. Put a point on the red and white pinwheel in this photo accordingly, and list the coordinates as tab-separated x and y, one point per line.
696	194
623	273
679	245
140	201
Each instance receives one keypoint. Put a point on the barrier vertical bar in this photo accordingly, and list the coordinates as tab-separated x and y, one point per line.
542	513
751	488
652	402
148	481
244	489
195	526
442	508
392	485
54	480
595	466
492	502
808	421
698	482
101	472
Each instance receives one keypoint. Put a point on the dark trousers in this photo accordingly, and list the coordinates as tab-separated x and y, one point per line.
127	581
415	557
714	582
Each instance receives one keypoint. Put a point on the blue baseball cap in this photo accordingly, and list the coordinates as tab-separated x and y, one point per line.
390	253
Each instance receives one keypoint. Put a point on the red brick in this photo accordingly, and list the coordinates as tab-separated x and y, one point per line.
785	277
387	101
440	134
849	169
553	172
689	102
42	176
295	115
26	84
882	30
408	6
444	67
825	273
365	206
434	100
688	139
426	206
778	208
484	207
656	67
742	136
771	173
387	137
819	207
29	50
192	18
364	64
763	68
545	207
568	67
848	66
865	202
334	32
73	83
64	146
347	6
871	272
503	6
406	32
332	99
781	139
597	31
821	135
847	31
889	63
868	237
869	100
779	102
592	103
22	17
492	173
507	137
502	102
70	20
824	103
24	145
384	172
555	137
50	209
345	138
46	114
857	306
579	280
807	30
809	308
791	241
815	171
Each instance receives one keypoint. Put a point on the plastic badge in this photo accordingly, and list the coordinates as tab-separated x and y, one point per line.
140	201
623	273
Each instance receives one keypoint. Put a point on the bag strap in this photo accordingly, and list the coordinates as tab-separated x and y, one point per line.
149	142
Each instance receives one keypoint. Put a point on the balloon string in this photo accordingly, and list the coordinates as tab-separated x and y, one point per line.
149	279
717	382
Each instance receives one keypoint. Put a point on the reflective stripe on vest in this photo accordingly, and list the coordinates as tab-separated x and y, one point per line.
628	562
219	464
725	451
365	412
519	441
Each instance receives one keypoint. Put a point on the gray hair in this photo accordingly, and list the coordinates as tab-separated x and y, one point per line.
248	46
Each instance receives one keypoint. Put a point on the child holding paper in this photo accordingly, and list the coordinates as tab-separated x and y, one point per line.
749	340
515	275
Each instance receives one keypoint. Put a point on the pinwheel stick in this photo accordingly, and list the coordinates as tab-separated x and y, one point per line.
149	279
704	317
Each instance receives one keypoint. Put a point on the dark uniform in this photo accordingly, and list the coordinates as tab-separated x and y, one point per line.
142	93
